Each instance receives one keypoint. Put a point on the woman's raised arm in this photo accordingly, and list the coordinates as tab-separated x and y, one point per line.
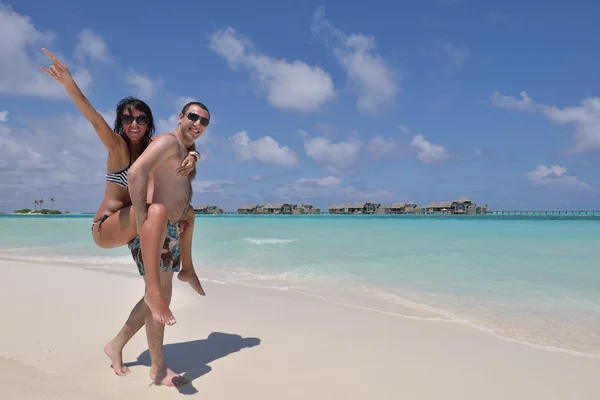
61	74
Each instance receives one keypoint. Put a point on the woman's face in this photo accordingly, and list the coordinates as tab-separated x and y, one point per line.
135	124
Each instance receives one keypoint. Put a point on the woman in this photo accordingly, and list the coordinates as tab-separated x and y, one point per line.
114	223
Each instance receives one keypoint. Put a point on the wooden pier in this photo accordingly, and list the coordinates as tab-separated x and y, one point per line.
545	212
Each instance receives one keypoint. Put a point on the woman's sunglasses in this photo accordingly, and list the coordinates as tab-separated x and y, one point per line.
195	117
128	119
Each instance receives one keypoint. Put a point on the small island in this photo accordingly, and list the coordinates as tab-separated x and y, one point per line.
41	210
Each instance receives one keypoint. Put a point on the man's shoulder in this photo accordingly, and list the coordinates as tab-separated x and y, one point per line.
165	139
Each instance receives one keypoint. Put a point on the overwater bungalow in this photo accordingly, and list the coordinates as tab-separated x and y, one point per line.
248	209
343	208
364	207
397	208
305	209
207	209
462	205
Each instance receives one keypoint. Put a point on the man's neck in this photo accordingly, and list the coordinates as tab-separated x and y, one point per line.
179	135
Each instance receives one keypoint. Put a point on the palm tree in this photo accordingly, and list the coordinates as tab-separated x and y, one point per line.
51	201
35	203
41	202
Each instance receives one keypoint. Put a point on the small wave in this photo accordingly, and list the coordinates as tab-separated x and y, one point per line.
261	241
68	259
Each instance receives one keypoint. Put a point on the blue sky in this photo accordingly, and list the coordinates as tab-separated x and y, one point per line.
314	101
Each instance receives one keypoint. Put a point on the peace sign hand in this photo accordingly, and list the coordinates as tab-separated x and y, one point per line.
57	71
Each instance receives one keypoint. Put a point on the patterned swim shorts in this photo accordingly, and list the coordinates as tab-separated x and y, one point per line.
170	255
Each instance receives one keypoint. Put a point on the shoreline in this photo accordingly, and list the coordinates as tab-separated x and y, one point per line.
273	343
346	293
502	215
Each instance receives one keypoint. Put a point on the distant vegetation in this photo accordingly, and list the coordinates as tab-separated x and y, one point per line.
41	210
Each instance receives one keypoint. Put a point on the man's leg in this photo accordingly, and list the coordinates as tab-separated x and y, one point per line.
159	372
114	348
152	237
137	319
188	274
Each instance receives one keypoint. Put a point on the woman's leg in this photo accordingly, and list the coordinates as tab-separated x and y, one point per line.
187	273
117	230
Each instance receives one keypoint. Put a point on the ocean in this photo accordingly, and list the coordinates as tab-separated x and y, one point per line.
532	279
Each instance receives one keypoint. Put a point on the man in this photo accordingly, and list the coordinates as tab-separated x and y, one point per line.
171	197
158	244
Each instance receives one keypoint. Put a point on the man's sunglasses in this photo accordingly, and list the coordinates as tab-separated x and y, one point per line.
195	117
128	119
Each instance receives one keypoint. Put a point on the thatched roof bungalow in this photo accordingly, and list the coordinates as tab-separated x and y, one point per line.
207	209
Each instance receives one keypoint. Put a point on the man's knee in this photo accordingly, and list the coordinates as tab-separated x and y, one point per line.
188	221
190	215
157	212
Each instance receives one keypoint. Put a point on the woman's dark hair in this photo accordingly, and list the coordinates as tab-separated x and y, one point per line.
130	104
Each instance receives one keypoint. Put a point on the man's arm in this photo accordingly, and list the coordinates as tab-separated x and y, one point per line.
138	176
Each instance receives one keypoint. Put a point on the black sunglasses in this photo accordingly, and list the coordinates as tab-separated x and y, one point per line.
195	117
128	119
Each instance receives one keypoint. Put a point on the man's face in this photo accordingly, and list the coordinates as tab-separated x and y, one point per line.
194	122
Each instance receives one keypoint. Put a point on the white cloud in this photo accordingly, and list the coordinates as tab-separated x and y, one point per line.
255	178
377	195
19	73
168	125
456	54
512	103
375	81
90	44
307	189
330	181
427	152
379	146
144	86
337	157
182	101
3	116
556	176
292	86
33	160
212	186
310	188
585	117
15	153
265	150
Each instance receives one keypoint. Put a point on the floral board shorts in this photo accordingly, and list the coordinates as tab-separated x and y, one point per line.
170	255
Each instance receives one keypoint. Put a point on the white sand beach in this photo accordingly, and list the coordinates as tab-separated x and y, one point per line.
256	343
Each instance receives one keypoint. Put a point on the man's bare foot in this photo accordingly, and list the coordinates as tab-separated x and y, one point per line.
189	276
168	378
116	358
160	310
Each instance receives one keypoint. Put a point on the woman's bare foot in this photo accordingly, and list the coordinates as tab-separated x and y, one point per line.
168	378
160	310
116	358
189	276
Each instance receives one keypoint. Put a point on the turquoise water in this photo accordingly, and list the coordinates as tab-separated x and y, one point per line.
534	279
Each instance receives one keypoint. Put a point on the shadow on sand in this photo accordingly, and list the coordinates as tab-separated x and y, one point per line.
193	357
